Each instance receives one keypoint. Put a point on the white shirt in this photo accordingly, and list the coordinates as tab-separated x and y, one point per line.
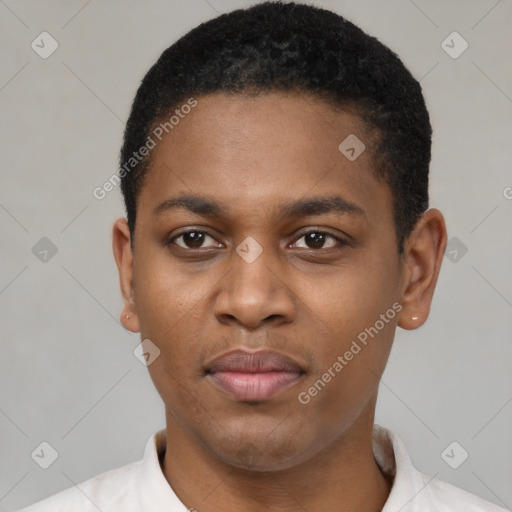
141	486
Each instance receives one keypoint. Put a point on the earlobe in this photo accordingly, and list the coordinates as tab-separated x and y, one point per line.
121	245
423	256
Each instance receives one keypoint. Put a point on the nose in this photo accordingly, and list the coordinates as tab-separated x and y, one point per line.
254	293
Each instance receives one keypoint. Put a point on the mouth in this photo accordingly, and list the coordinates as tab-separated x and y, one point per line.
253	376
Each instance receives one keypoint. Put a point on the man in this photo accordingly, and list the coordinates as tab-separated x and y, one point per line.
275	176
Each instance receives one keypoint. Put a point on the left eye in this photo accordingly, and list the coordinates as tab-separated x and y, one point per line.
318	239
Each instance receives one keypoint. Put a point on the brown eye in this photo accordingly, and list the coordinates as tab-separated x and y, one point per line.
193	240
317	240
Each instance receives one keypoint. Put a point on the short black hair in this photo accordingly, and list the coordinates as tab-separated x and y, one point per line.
292	47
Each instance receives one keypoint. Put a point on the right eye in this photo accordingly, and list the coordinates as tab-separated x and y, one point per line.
193	239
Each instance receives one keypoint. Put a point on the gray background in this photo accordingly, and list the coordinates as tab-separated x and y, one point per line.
68	375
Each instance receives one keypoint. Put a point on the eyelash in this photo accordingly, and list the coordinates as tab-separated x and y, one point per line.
340	242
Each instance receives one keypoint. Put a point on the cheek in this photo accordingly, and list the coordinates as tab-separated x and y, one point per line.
355	314
165	295
351	299
346	379
168	314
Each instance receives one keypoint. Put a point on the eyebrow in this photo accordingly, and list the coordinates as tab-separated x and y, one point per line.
196	204
301	208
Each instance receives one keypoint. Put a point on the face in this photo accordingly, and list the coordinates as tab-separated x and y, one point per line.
254	232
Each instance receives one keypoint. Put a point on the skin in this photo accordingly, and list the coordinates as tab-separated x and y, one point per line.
303	298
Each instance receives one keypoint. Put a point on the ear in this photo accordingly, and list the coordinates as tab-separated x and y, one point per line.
422	258
121	244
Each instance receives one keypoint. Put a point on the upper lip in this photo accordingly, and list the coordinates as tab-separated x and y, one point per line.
253	362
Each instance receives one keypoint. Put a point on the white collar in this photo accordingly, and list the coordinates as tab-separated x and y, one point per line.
152	487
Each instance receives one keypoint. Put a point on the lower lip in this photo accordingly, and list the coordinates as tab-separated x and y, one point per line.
254	386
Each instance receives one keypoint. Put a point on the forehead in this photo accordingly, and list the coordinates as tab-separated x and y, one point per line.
263	152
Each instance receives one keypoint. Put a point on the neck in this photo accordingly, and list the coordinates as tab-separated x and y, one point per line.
341	478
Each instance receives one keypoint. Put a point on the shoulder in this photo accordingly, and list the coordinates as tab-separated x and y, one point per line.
447	497
105	491
414	491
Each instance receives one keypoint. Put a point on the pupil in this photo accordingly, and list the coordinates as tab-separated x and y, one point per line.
193	239
315	240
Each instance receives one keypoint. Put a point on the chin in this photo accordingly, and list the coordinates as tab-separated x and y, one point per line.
260	451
